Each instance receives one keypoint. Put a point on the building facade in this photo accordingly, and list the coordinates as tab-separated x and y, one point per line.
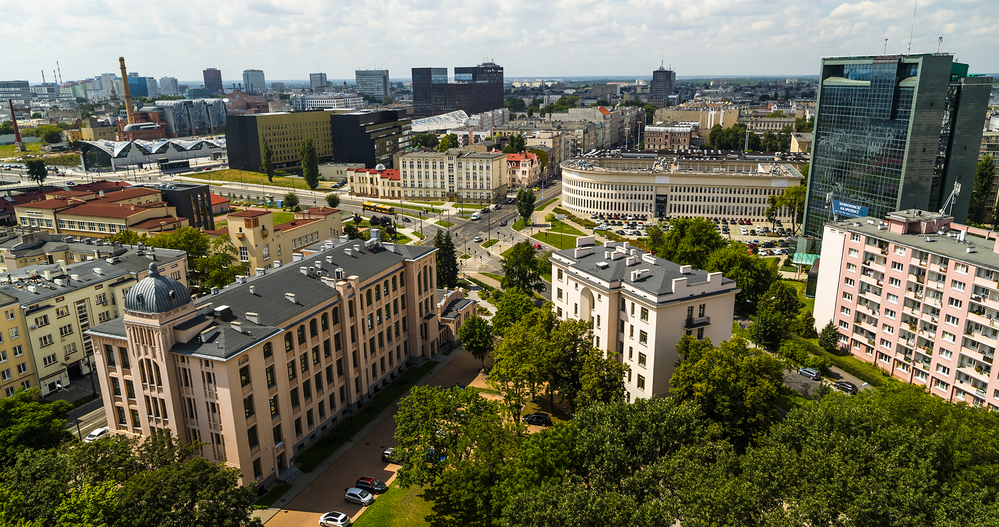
374	83
254	82
663	84
473	177
263	245
687	187
318	82
324	101
475	89
640	306
670	136
284	132
213	81
523	170
916	132
369	137
17	369
259	385
916	295
375	183
169	86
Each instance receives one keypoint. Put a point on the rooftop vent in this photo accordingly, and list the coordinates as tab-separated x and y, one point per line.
222	312
236	326
290	297
329	259
603	265
649	258
207	334
32	288
930	239
631	260
970	250
240	279
60	281
685	269
357	248
253	289
339	274
259	271
74	277
277	263
318	264
304	270
97	270
253	317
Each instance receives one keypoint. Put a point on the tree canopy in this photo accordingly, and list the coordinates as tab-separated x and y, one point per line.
793	200
688	242
310	163
36	171
522	268
517	144
477	338
290	200
333	200
268	161
525	204
426	140
752	274
985	176
447	259
449	141
26	423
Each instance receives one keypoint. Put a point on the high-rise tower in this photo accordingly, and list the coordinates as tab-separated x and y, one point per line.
213	80
893	132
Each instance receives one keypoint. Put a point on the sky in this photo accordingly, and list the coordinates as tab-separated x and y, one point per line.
289	39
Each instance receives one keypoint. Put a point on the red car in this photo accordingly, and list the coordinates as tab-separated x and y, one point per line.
537	245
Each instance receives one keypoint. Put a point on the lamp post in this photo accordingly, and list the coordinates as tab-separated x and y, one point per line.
59	388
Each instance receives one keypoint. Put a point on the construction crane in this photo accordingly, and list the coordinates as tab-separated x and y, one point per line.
951	198
60	72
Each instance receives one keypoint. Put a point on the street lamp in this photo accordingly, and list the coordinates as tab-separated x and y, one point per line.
59	388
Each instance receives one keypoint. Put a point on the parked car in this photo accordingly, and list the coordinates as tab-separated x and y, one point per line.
810	373
405	219
537	246
619	232
538	418
97	434
846	387
743	231
387	455
358	496
334	519
371	485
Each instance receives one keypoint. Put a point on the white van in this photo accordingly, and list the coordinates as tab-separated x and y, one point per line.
476	215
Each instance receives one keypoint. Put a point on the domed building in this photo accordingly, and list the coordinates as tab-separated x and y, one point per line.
156	294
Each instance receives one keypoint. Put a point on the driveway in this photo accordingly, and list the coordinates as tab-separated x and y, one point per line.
364	459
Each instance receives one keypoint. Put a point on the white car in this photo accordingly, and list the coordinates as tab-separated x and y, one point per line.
97	434
743	231
334	519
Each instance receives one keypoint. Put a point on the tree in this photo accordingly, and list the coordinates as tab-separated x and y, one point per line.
310	163
520	360
476	337
688	242
777	310
517	144
804	325
351	231
829	338
542	157
650	113
290	200
29	424
601	379
447	259
6	128
752	274
188	239
771	212
426	140
522	268
333	200
387	101
776	114
985	176
793	200
450	141
513	306
222	265
515	104
268	160
733	384
36	171
127	237
525	204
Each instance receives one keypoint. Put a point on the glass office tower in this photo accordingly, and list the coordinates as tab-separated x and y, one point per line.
893	132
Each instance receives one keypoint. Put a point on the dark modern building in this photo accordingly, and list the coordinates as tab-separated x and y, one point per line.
369	137
892	133
318	82
213	80
372	82
663	83
193	201
475	90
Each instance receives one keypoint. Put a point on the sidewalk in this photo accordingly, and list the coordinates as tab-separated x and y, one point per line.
307	478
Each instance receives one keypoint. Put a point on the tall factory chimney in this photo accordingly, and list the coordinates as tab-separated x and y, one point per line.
128	93
18	143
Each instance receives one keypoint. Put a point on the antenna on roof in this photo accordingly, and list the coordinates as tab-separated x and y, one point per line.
886	47
913	28
939	42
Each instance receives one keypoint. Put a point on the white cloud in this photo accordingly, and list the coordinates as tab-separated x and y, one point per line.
290	38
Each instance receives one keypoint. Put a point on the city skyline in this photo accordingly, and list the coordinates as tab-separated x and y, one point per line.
624	38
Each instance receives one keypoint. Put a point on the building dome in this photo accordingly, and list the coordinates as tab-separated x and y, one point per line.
156	294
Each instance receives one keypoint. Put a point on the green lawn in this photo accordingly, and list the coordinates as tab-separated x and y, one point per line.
564	228
464	213
800	286
519	225
419	235
468	206
272	496
244	176
336	437
399	238
445	224
465	256
283	217
8	150
489	243
494	276
561	241
399	507
221	225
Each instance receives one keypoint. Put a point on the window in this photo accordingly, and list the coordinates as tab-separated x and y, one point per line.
251	435
844	310
890	313
266	252
900	250
953	302
851	267
62	312
645	314
641	382
957	286
849	281
961	268
48	360
853	253
892	298
273	402
244	254
894	282
294	398
559	275
952	320
45	340
292	372
888	328
289	342
641	359
897	266
948	337
847	296
244	376
643	337
558	293
944	370
22	368
42	320
268	350
946	354
14	333
248	406
269	376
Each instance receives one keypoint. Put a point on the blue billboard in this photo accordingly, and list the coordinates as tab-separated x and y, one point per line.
842	208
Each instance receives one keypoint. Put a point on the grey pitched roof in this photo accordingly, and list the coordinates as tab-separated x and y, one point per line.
659	282
22	279
454	309
114	328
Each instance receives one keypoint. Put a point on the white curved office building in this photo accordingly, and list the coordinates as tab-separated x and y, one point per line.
674	187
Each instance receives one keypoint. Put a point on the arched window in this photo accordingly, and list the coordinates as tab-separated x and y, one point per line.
394	286
325	322
289	342
313	328
368	295
301	335
268	350
378	292
385	287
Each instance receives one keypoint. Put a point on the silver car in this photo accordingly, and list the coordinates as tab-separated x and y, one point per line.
358	496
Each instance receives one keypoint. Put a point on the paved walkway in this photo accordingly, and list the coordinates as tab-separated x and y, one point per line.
319	491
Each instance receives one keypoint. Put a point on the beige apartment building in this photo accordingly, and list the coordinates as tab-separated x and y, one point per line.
455	175
523	170
263	245
261	369
640	306
704	117
17	370
54	305
375	182
85	213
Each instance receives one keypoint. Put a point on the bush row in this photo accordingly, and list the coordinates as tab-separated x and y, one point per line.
868	373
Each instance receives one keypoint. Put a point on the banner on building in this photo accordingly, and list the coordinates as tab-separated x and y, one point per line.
842	208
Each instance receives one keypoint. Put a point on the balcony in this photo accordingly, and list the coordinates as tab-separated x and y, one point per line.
697	322
976	373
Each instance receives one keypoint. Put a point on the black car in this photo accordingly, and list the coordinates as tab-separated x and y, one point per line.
405	219
846	387
371	485
502	223
538	418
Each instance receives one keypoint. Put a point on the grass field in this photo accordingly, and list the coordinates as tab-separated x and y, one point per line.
468	206
419	235
561	241
800	286
8	150
519	225
489	243
399	507
445	224
494	276
564	228
283	217
244	176
406	205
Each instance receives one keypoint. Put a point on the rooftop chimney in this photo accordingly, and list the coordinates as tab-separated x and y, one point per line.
128	92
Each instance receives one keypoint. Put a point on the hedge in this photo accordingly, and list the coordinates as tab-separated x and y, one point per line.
868	373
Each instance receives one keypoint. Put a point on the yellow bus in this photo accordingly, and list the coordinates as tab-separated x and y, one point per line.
378	207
